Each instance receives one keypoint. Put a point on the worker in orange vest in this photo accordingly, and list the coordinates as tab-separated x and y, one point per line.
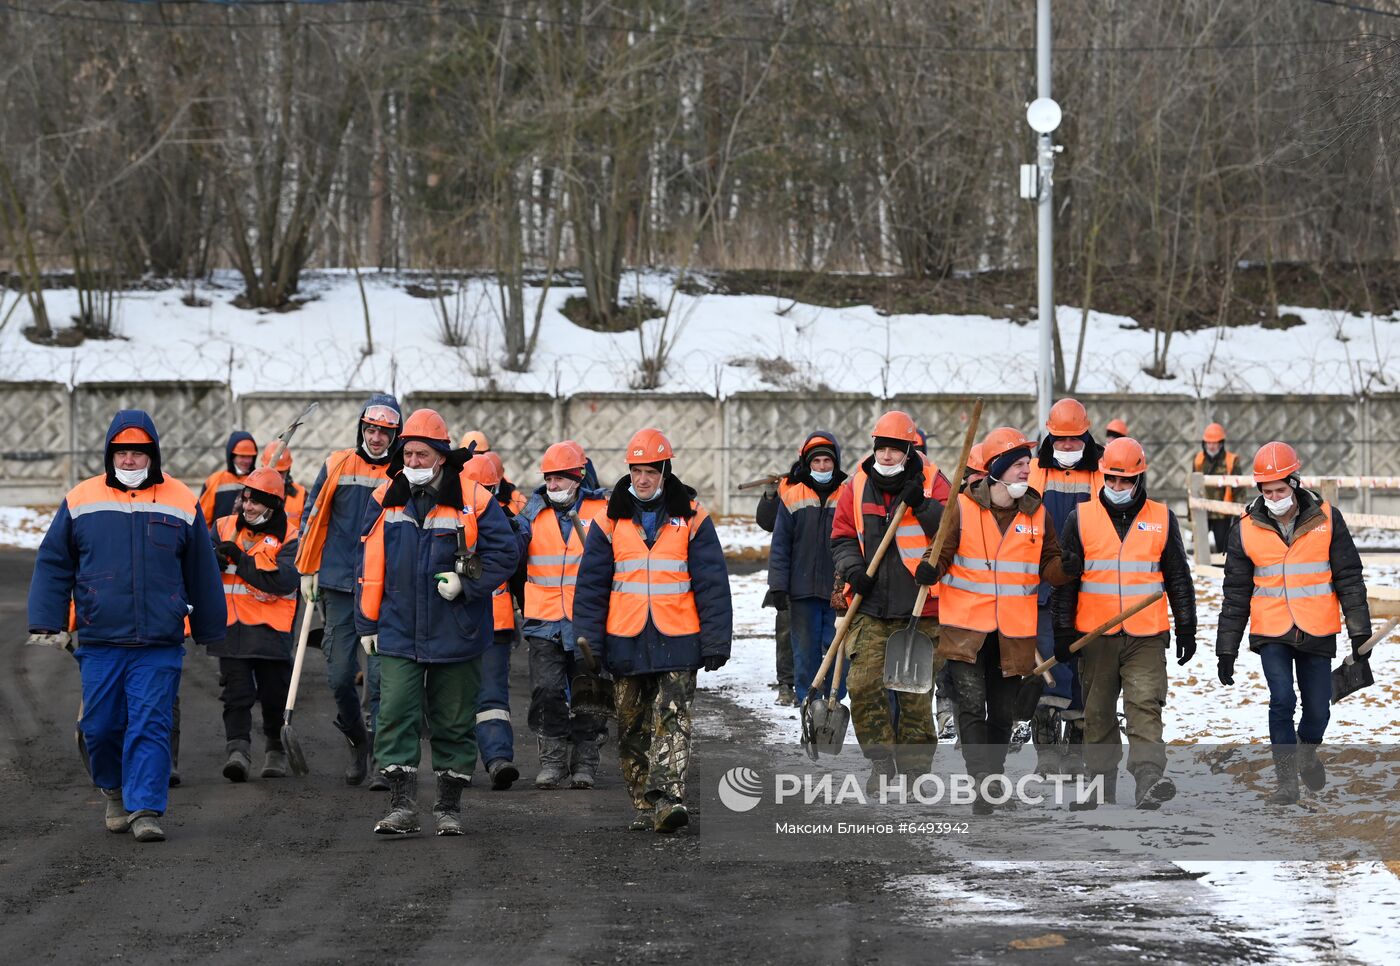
257	550
560	513
1001	546
653	602
507	494
223	486
1215	460
1131	547
1291	573
294	503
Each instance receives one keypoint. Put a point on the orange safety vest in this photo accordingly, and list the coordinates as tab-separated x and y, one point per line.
294	505
993	580
518	501
344	464
551	565
246	604
221	481
1081	483
502	609
909	536
652	582
1292	583
1119	573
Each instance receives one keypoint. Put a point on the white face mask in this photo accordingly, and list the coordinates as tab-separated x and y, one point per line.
1279	507
1015	490
561	497
257	521
894	470
419	477
823	477
133	478
1068	458
1119	497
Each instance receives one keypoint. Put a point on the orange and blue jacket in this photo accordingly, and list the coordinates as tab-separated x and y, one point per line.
221	489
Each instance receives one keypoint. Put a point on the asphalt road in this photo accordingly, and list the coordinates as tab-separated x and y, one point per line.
289	870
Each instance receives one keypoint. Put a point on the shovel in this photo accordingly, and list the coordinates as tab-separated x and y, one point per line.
290	744
908	651
589	693
1352	675
825	720
1033	686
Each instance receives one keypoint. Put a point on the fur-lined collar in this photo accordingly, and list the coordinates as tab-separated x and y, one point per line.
449	491
675	503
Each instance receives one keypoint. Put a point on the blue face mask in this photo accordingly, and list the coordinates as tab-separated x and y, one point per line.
1119	497
822	477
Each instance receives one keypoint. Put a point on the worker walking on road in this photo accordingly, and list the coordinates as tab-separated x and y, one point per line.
1131	547
1291	573
653	602
434	552
766	516
131	552
256	548
1215	460
895	733
217	496
327	558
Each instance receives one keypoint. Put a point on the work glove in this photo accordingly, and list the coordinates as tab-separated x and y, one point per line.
59	639
449	585
1225	664
770	492
913	494
927	574
1356	644
370	643
1072	564
229	552
310	587
714	663
780	600
1185	646
1063	639
861	583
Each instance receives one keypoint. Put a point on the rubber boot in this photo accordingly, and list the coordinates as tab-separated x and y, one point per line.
447	810
643	819
145	828
503	774
1090	801
358	767
1153	788
1073	759
554	763
671	815
980	804
275	764
880	768
1286	774
1045	734
403	807
239	762
377	781
117	819
787	697
1310	767
583	763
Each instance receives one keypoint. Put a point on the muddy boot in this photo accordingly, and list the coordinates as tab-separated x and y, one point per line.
980	804
880	768
1045	734
377	781
403	809
643	819
358	767
1310	767
117	819
274	764
1286	774
1073	758
447	810
145	828
239	762
1153	788
503	774
583	764
1090	800
554	763
671	816
787	697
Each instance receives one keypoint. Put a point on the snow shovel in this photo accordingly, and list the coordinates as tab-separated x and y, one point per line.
1033	685
589	693
284	438
827	718
1352	675
290	744
908	651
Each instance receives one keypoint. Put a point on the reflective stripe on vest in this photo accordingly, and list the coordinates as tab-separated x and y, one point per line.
1119	573
244	602
909	537
798	496
1292	583
551	565
1084	484
992	582
652	582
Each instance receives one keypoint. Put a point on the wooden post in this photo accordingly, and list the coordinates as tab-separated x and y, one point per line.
1200	523
1329	490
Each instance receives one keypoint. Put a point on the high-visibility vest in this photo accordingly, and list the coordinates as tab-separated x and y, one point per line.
247	604
1082	484
551	564
294	504
1292	582
909	537
1231	466
220	491
1119	573
652	582
993	580
798	496
344	467
502	609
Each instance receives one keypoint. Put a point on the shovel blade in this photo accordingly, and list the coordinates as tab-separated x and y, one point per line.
909	662
591	695
296	758
830	721
1350	678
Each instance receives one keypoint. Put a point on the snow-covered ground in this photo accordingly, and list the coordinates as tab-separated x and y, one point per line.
23	526
723	344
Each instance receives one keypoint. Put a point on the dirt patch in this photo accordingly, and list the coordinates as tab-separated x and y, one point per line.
628	316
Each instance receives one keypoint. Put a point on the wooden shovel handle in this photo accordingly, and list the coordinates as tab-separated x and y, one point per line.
1101	630
302	636
1373	640
945	522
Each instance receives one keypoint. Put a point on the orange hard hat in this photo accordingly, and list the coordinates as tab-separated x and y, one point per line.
1275	461
132	435
648	446
1123	457
1068	418
896	424
265	479
1117	426
497	466
975	462
1214	433
426	425
482	469
284	462
483	445
1003	440
563	457
816	441
245	447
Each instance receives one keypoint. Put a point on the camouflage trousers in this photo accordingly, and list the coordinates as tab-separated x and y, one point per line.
653	734
889	724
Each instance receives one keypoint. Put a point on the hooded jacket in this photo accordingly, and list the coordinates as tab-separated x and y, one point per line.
134	563
799	557
221	489
650	651
336	506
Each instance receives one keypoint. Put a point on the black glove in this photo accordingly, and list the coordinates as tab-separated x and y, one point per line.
1185	646
927	574
1225	663
1063	639
780	600
861	583
1356	644
913	494
770	491
714	663
229	552
1072	564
